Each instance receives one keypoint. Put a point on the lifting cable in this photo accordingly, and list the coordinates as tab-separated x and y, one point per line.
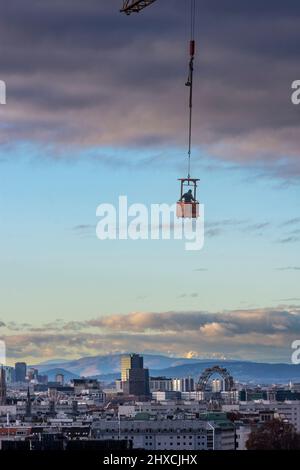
189	82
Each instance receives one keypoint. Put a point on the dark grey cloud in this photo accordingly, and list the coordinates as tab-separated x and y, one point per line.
79	74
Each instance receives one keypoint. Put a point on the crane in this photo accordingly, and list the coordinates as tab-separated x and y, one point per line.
187	205
131	6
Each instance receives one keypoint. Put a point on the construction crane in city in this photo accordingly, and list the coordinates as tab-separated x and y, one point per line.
134	6
187	205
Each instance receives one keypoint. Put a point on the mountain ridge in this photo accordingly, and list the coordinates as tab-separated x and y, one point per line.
107	368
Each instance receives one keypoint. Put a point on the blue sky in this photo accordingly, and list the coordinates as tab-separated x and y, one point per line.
53	269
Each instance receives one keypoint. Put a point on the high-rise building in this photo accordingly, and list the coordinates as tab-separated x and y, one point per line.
2	387
134	378
128	362
9	374
20	371
186	384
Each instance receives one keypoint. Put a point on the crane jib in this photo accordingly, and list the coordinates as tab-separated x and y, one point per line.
134	6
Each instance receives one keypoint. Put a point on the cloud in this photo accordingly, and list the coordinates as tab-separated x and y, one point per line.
289	268
258	227
261	334
288	239
293	221
238	322
192	295
81	75
291	299
217	228
83	227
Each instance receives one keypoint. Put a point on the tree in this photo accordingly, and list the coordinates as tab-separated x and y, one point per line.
274	435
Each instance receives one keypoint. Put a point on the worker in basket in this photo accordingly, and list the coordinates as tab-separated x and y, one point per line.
188	197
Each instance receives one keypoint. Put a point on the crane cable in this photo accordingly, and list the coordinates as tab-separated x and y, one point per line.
189	82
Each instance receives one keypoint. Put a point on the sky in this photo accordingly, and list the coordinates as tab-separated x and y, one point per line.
97	108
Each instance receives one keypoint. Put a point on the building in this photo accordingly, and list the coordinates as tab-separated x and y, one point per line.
167	395
2	387
134	378
60	378
42	379
161	384
85	385
288	410
166	434
243	432
32	374
217	385
20	371
186	384
9	374
128	362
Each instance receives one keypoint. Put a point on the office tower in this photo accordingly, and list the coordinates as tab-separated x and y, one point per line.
135	379
128	362
20	371
2	387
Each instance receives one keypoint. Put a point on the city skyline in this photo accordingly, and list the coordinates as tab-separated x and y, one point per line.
146	412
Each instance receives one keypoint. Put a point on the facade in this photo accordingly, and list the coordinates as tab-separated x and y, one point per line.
9	374
137	383
20	371
134	378
217	385
242	435
128	362
186	384
81	385
176	434
161	384
164	396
